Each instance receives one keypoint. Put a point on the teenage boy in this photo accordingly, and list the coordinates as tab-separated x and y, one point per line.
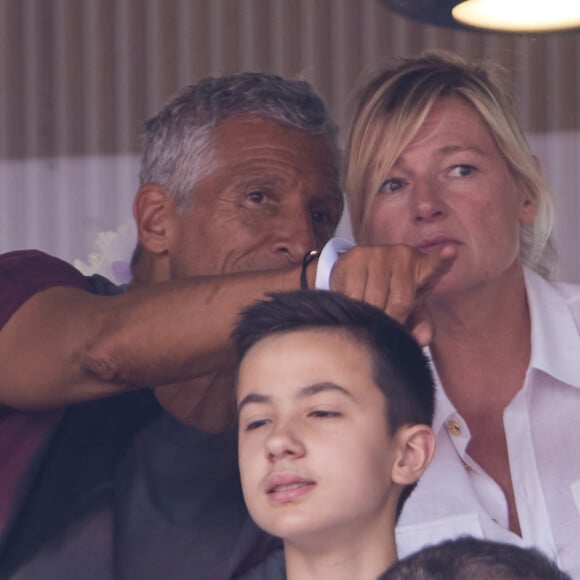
335	402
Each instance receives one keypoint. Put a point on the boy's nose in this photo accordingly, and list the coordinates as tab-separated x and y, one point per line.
281	443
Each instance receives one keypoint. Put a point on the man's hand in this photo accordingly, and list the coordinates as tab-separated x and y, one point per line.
396	279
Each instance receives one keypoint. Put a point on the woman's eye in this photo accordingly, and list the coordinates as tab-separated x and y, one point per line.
461	170
391	185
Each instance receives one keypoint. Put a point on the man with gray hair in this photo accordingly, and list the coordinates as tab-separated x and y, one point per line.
239	190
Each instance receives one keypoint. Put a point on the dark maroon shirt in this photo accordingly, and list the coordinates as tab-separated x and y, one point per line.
22	275
115	488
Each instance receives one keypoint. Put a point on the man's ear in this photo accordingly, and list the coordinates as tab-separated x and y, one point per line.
415	448
153	209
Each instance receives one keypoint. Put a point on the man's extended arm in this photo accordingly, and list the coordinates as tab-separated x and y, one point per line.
65	345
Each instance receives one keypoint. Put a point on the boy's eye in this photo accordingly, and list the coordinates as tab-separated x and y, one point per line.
461	170
324	414
391	185
256	424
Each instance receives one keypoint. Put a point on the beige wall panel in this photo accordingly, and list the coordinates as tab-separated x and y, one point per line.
78	78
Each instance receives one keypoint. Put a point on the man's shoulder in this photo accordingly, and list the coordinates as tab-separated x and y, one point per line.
29	271
103	286
21	262
24	273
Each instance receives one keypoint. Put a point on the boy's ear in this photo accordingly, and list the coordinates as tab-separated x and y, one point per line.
153	209
415	448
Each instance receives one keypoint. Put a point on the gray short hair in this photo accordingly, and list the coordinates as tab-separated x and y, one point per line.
177	141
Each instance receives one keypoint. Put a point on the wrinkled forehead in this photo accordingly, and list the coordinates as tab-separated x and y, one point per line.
324	136
250	137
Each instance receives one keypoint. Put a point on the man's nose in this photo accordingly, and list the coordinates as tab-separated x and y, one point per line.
294	235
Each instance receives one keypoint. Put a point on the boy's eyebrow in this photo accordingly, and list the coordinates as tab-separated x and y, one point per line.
308	391
253	398
325	386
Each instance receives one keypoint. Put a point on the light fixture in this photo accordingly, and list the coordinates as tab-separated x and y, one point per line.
519	15
502	15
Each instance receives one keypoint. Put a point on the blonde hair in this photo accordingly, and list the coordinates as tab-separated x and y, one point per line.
392	107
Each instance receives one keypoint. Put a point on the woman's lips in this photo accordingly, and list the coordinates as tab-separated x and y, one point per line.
435	243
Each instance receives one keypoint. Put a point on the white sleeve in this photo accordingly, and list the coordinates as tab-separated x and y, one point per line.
328	258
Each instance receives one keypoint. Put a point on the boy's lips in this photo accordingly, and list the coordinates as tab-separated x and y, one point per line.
286	487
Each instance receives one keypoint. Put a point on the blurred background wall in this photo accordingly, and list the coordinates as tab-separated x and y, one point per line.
78	77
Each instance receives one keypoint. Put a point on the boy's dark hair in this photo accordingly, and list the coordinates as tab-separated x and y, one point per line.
475	559
400	369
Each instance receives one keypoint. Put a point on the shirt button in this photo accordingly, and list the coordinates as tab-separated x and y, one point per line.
454	428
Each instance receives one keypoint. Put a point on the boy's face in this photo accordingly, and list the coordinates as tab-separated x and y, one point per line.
314	450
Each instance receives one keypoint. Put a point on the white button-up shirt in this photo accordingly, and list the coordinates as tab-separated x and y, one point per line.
542	425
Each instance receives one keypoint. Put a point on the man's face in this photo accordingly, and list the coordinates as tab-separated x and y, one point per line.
314	449
271	196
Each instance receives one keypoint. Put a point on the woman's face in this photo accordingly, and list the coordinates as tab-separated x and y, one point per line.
451	185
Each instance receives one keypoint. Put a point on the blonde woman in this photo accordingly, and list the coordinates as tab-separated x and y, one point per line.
436	158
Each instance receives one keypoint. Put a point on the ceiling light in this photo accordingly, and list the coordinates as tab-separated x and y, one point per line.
519	15
503	15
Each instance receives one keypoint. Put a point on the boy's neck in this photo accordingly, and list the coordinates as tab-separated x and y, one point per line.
358	559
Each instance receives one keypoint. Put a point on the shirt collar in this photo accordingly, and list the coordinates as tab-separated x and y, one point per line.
444	409
555	342
555	337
